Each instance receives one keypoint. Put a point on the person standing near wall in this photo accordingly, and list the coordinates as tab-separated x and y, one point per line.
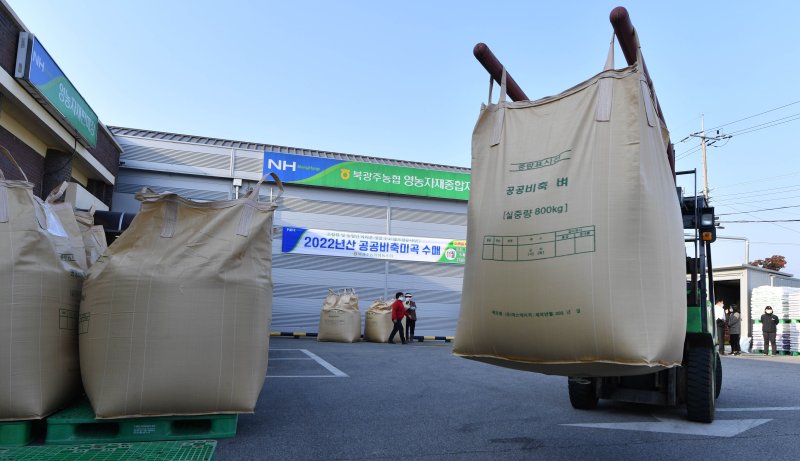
411	316
719	315
735	327
398	312
769	327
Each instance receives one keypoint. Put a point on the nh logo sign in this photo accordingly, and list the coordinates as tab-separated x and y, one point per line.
281	165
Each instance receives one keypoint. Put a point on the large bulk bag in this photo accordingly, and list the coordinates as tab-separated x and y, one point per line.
176	313
340	318
576	261
378	323
40	290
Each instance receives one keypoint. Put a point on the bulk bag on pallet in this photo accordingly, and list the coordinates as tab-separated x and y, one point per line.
576	261
340	319
176	313
40	290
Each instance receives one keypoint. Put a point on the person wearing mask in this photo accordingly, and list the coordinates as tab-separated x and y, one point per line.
735	328
398	312
769	327
411	316
719	315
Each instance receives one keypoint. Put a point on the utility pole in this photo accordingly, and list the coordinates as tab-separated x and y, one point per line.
702	135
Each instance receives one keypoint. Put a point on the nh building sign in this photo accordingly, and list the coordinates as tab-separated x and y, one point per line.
342	174
40	75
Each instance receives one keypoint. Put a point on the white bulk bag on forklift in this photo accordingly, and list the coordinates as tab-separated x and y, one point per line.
576	259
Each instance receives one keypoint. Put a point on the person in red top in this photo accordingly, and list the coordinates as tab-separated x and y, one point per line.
398	312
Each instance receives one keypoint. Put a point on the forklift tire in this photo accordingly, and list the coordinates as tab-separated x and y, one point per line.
700	387
717	375
582	393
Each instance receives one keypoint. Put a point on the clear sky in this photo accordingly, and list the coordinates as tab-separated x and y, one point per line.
397	79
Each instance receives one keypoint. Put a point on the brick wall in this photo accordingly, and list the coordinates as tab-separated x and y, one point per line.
31	162
57	169
106	152
9	35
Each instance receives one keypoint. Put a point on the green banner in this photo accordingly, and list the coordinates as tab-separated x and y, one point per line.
47	78
316	171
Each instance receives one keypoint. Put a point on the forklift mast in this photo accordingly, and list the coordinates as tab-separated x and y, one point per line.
699	224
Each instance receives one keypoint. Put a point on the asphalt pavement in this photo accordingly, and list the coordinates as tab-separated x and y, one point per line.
336	401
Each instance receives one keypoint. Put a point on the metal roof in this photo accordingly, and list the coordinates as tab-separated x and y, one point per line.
245	145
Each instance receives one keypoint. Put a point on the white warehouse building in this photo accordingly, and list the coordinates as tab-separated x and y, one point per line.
389	225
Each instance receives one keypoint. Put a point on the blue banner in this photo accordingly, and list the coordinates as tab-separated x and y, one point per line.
48	79
290	167
376	246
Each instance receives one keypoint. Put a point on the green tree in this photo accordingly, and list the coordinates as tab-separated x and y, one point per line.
774	262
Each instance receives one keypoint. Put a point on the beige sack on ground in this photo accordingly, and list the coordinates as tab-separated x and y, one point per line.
576	259
340	319
40	289
176	313
378	321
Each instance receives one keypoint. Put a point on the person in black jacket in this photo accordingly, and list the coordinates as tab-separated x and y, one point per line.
411	316
735	328
769	327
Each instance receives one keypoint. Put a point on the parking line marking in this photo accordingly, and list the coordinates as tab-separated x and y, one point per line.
303	376
760	409
335	372
326	365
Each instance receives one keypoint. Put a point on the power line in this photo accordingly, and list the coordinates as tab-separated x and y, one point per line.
772	193
731	202
774	223
794	173
749	117
757	211
739	133
770	190
689	152
761	221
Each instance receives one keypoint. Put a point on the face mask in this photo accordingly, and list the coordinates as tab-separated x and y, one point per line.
768	311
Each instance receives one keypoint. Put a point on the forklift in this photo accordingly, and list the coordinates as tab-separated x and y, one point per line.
697	381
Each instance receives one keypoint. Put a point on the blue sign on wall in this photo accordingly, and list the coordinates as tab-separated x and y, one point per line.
37	68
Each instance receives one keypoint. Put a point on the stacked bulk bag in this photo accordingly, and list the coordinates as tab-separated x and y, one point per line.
576	262
40	290
69	221
177	311
340	318
94	237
